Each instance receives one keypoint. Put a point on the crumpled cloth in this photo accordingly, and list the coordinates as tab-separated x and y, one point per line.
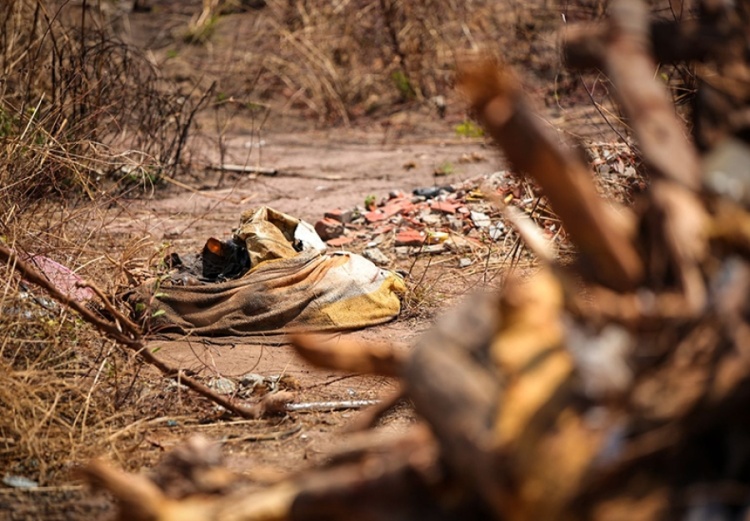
284	291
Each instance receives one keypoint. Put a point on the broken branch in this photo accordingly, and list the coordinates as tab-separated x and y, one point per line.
132	340
503	110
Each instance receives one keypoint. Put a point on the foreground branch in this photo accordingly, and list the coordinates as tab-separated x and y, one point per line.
501	106
132	340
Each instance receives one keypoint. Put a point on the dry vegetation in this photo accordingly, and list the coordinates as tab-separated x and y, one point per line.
84	120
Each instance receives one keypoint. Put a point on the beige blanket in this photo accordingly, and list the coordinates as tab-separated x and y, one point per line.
285	290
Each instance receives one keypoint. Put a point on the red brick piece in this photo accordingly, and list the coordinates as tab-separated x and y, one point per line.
409	237
383	229
329	229
374	216
340	241
444	206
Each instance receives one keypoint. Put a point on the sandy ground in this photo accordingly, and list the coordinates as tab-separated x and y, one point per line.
319	171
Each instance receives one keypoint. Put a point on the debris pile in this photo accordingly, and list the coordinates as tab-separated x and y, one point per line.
464	218
612	388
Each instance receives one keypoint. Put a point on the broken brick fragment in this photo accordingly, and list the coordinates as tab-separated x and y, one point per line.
342	216
374	216
328	228
394	208
444	206
383	229
409	237
340	241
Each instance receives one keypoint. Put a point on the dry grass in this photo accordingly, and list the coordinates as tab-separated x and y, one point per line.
83	120
337	61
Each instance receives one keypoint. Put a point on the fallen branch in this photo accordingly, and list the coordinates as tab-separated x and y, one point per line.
678	216
124	333
273	172
628	63
329	406
244	169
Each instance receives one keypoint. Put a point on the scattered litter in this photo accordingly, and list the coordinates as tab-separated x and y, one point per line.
464	216
62	277
433	191
19	482
223	385
254	384
480	220
496	231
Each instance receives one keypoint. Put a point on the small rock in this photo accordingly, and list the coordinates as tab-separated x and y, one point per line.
376	256
464	262
430	219
496	231
433	249
402	252
480	220
222	385
376	240
328	228
253	384
456	225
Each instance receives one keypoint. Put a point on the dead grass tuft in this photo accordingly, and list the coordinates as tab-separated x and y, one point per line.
78	107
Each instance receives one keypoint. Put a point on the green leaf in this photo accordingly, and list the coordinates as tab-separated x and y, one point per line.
158	313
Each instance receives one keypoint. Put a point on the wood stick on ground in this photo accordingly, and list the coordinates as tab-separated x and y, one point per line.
141	500
370	416
500	104
132	340
245	169
386	480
